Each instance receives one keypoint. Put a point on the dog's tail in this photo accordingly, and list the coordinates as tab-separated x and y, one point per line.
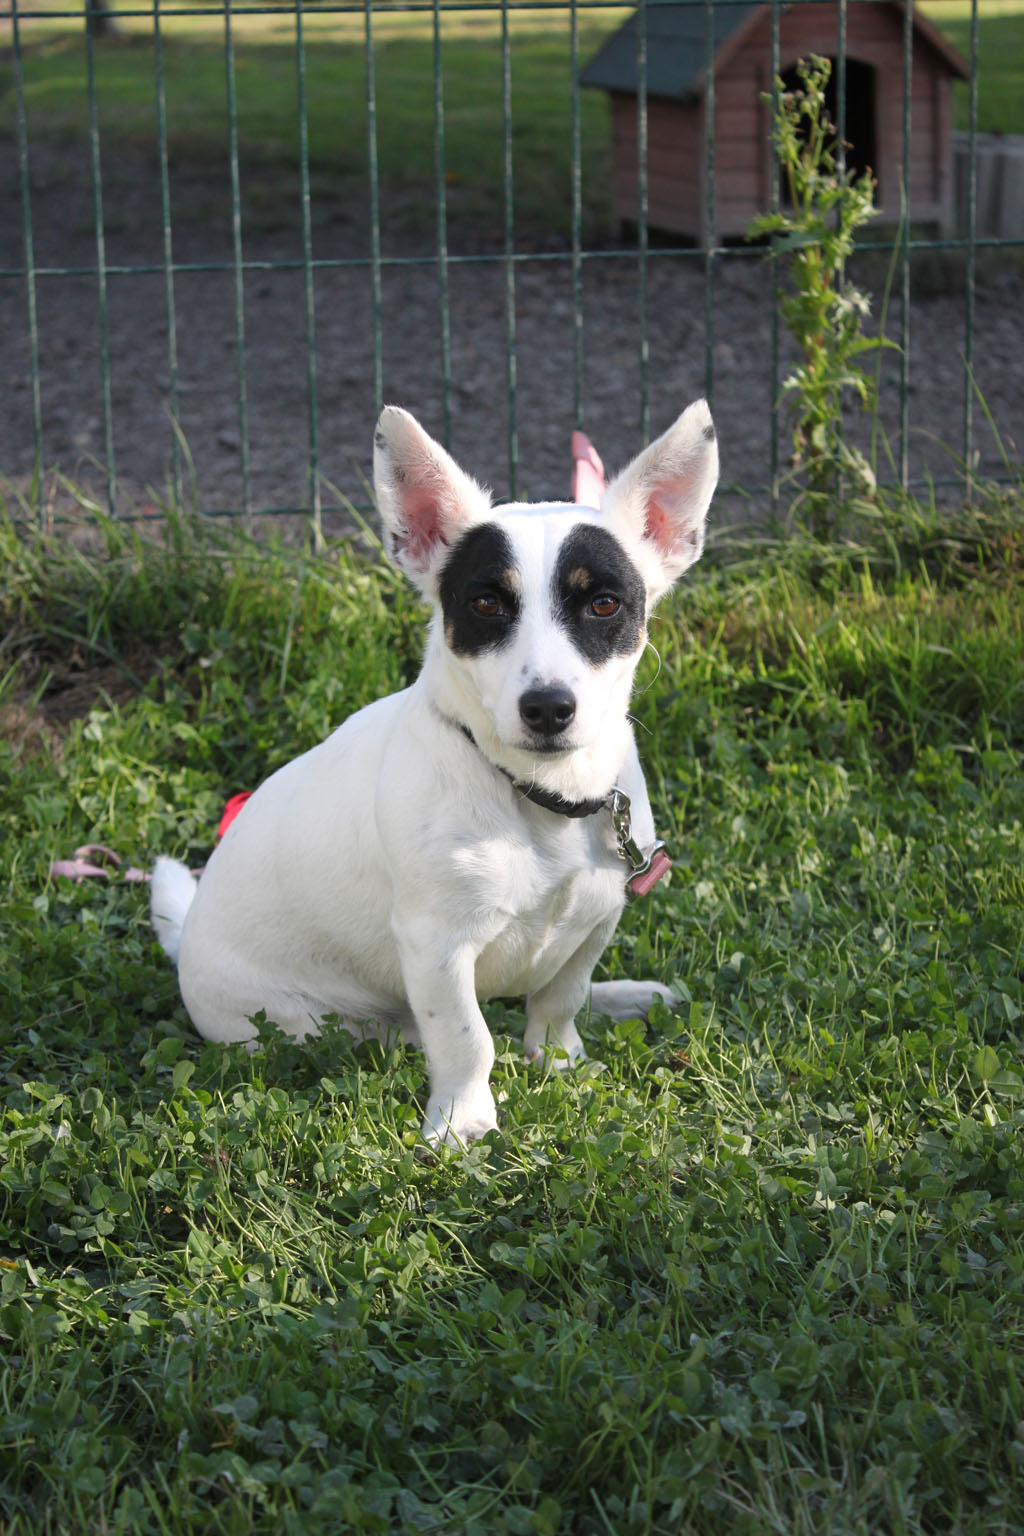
171	891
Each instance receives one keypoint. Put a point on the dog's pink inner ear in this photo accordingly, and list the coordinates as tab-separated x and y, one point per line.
671	522
662	525
658	527
423	525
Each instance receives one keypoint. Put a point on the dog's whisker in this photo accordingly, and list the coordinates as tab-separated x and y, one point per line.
650	646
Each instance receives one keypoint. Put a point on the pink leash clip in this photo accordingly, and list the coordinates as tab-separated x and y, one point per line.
646	879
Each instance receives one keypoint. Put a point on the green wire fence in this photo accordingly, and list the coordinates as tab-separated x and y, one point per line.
637	249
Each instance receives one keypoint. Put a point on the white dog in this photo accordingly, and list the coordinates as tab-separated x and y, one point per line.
473	836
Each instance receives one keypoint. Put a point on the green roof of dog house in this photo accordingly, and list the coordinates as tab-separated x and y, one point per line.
677	46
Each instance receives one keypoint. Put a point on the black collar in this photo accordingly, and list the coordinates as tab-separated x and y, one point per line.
646	868
548	799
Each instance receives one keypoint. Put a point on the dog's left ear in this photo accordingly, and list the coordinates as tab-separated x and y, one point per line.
425	500
662	498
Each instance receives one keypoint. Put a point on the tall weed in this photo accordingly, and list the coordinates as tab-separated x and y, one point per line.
823	207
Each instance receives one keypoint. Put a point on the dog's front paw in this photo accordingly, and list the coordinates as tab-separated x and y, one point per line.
457	1119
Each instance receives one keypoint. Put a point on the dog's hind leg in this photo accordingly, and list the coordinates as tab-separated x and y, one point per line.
551	1034
620	1000
225	992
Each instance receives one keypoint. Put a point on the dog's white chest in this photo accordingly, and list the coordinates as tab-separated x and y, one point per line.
544	921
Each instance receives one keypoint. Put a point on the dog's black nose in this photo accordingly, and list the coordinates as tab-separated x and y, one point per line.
547	711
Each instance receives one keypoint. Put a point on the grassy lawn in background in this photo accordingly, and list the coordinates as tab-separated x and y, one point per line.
756	1267
1000	59
266	77
194	66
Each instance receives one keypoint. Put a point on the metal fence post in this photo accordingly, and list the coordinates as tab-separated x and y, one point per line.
373	173
309	298
239	280
972	252
441	200
101	257
908	65
30	260
643	209
773	199
576	188
508	193
709	199
168	253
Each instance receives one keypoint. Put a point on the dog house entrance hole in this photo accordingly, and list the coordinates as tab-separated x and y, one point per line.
861	150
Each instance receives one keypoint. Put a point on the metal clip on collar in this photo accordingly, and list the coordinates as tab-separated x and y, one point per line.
648	868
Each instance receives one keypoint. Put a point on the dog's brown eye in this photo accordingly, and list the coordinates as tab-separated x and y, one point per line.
605	606
487	606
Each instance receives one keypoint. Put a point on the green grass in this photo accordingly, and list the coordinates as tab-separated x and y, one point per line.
56	98
756	1267
1000	59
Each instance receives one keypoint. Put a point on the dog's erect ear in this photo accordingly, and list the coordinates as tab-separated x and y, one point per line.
424	498
662	498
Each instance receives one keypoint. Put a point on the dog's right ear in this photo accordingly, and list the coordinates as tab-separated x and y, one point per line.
425	500
662	498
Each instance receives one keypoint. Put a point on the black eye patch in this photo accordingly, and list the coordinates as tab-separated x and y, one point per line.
481	566
592	565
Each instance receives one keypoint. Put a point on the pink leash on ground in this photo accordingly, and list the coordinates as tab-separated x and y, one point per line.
95	861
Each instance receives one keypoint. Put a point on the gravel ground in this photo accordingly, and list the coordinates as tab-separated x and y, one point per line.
276	363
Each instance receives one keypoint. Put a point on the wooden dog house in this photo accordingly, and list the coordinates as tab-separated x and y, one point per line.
676	129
